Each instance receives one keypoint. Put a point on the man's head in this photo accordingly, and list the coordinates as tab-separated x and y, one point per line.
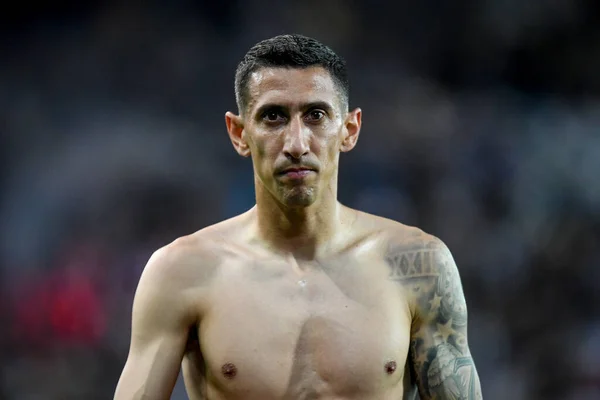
289	51
292	96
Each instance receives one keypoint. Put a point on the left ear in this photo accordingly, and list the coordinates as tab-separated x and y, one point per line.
352	126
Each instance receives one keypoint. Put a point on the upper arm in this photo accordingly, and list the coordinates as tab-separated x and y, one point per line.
160	325
440	358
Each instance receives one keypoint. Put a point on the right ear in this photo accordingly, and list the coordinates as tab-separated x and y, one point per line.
235	128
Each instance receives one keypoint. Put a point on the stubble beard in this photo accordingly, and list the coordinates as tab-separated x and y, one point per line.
300	196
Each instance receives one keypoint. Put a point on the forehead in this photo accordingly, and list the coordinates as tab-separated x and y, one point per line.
291	87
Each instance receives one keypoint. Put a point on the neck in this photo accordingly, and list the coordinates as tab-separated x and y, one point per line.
299	231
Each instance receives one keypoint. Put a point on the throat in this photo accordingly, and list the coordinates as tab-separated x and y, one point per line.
306	233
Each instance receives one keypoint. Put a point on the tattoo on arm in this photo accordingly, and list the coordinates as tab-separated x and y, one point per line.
442	364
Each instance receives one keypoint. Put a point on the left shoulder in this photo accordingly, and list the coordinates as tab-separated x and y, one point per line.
398	239
413	254
411	243
424	267
410	251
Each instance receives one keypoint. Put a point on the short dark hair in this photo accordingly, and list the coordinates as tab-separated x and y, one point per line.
289	51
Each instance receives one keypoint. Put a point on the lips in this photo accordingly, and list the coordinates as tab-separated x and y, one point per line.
296	173
289	170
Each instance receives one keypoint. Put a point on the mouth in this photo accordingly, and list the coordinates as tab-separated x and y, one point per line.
296	173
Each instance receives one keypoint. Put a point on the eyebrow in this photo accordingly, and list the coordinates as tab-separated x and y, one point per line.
306	106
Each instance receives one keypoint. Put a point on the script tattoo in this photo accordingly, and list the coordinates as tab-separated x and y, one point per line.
441	361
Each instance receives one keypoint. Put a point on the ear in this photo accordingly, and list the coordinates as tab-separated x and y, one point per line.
352	126
235	128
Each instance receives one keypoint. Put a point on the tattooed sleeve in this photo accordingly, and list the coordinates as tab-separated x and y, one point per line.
440	359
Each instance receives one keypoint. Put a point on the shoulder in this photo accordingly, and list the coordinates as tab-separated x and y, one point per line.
194	259
418	261
424	267
407	246
177	277
189	261
398	239
414	255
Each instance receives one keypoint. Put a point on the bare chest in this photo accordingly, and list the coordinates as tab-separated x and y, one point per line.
338	332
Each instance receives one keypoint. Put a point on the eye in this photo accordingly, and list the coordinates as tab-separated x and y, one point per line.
273	116
316	115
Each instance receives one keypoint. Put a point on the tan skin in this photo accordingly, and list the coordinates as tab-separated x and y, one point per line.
300	297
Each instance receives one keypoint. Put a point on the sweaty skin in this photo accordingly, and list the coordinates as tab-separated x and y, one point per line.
370	306
300	297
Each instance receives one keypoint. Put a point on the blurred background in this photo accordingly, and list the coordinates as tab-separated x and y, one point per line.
481	126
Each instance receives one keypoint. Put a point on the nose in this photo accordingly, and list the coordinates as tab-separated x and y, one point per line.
296	140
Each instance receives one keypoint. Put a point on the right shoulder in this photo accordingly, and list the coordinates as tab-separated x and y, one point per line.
177	279
189	261
192	261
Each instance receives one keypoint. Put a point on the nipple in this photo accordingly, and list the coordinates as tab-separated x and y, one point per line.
229	370
390	367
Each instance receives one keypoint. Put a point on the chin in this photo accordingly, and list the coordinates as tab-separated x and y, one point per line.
299	197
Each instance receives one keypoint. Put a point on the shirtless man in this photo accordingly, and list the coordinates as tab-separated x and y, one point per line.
299	297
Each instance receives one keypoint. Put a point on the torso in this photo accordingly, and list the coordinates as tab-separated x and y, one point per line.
336	328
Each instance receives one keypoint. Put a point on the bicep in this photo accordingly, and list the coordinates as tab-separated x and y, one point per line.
151	370
159	333
440	359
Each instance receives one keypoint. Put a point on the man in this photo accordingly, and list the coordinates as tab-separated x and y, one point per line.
300	297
